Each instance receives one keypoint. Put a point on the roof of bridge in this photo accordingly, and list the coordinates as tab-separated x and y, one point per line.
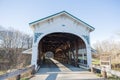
60	13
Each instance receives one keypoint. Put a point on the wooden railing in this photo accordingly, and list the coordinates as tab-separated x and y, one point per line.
18	73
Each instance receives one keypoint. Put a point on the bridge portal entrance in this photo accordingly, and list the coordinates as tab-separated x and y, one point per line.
64	47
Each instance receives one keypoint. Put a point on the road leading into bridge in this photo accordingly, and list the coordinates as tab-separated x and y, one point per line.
54	70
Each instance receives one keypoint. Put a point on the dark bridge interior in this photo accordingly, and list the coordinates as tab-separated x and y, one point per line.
65	47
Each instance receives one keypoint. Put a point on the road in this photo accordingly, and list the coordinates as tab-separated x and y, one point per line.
54	70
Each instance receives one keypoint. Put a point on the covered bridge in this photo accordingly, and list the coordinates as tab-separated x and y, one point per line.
63	37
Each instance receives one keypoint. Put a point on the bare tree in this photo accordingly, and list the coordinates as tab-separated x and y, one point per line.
111	47
108	46
13	42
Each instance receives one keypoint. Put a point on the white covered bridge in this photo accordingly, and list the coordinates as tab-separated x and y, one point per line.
63	35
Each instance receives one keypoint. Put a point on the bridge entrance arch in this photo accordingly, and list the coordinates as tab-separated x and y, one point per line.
64	47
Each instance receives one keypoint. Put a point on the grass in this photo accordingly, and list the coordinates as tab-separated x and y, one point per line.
116	66
113	78
2	72
116	69
109	77
95	61
24	79
99	75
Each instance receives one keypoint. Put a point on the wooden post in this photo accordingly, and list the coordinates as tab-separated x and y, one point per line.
92	70
76	52
33	71
104	73
77	45
18	77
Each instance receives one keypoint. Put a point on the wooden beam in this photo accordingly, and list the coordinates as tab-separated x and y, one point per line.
77	44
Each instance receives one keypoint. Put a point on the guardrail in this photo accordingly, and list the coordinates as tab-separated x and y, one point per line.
105	70
18	73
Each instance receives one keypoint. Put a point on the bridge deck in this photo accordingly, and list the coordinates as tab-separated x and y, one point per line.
54	70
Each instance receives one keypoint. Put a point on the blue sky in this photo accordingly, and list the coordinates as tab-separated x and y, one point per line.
103	15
